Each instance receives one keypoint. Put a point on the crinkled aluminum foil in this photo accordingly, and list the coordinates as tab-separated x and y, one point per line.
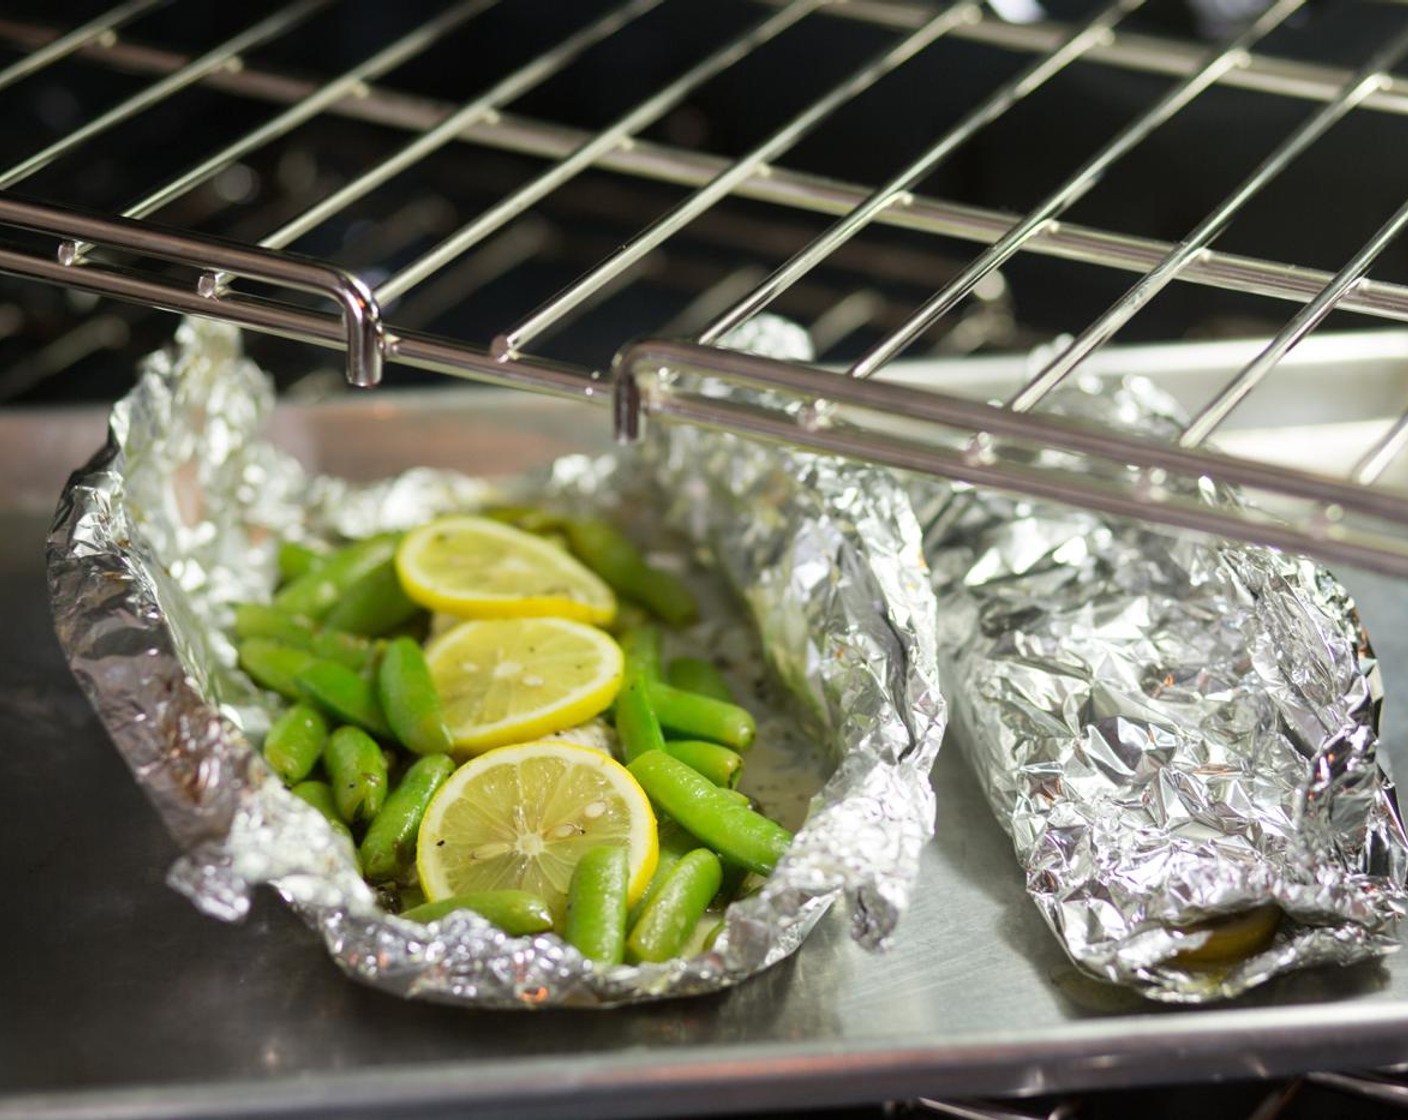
178	517
1171	728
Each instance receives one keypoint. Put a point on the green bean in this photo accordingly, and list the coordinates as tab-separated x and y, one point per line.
641	650
674	844
595	923
694	674
319	795
341	693
315	593
608	552
738	797
673	914
257	620
517	913
737	833
295	560
356	772
409	699
636	725
274	665
346	649
629	617
388	849
717	763
702	717
374	604
295	742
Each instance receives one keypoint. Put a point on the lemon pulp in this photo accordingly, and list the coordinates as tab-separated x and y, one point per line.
505	681
472	567
522	816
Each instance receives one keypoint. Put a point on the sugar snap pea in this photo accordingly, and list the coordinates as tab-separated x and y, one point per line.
640	648
295	560
257	620
693	716
666	924
316	592
344	695
388	848
717	763
373	604
517	913
595	922
694	674
356	773
738	797
628	617
409	699
319	795
610	553
636	725
275	665
295	742
346	649
674	844
710	814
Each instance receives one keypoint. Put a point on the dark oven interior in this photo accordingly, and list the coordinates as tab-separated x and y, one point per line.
1314	215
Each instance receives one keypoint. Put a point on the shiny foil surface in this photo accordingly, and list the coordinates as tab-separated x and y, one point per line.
1170	728
178	518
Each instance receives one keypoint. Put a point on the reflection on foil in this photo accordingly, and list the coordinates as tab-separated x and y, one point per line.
178	518
1170	728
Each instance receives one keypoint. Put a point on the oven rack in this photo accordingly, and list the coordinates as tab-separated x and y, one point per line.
861	410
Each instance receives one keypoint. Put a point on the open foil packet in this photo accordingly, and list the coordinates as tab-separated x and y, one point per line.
178	518
1170	728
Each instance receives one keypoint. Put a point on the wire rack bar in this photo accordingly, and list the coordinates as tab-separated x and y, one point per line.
534	73
359	330
514	340
784	187
891	193
966	415
1382	552
935	432
1141	53
285	19
99	27
1105	327
591	150
1309	81
1069	241
361	317
306	108
1304	321
1217	62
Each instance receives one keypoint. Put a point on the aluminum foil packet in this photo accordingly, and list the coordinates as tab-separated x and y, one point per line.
178	518
1171	728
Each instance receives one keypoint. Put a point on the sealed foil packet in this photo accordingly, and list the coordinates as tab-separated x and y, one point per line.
1170	728
178	518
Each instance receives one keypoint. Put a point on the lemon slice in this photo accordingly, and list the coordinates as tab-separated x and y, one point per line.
473	567
508	680
522	816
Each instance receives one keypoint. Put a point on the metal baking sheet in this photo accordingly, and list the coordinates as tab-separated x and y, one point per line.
119	999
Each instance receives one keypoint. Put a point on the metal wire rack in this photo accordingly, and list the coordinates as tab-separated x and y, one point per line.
276	272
